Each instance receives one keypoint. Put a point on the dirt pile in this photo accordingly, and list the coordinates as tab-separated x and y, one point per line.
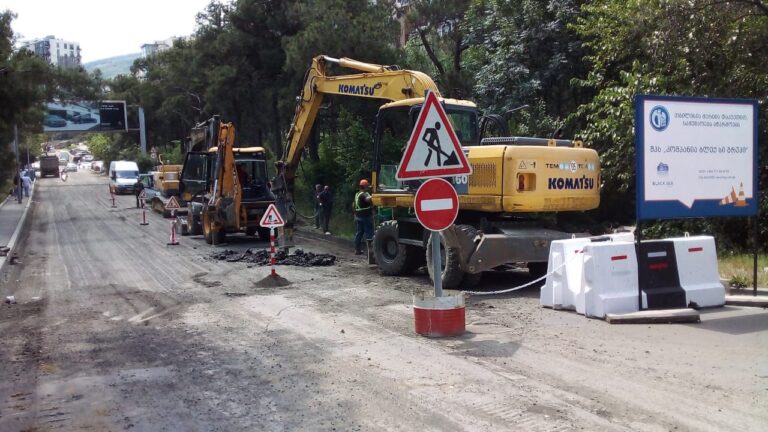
261	257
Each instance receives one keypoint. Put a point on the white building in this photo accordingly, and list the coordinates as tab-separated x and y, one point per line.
157	46
58	52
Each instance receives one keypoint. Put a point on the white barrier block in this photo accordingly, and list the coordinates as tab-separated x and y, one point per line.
697	268
564	284
609	282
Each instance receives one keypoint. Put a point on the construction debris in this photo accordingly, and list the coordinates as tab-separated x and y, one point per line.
261	257
270	281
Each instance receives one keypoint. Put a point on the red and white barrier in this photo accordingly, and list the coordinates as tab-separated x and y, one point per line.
563	289
697	268
610	282
563	285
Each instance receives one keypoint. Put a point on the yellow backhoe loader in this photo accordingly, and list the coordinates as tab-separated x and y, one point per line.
225	188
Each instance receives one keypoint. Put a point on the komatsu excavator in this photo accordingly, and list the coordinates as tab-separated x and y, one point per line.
507	206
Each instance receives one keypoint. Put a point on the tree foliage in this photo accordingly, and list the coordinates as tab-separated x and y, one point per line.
695	47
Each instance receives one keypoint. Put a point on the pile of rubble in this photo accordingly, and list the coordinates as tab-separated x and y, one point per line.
261	257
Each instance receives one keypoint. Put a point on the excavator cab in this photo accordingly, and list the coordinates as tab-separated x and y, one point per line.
395	122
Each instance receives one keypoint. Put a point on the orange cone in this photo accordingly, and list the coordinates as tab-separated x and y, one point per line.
741	201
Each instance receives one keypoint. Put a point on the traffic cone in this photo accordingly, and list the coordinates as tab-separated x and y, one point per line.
741	201
730	198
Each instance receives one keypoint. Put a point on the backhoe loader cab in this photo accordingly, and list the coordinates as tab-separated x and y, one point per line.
226	188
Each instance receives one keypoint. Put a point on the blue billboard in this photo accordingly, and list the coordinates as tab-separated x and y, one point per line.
695	157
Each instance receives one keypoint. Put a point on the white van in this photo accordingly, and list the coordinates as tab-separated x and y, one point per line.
123	176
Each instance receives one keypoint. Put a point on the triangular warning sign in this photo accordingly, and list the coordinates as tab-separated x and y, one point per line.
272	218
173	204
434	149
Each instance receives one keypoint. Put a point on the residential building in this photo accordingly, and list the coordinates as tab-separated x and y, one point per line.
58	52
157	46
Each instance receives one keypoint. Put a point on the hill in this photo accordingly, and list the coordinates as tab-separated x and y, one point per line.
113	66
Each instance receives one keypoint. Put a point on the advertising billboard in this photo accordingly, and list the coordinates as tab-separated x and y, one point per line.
695	157
85	116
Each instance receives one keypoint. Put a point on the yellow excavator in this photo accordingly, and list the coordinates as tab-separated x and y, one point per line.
225	188
508	205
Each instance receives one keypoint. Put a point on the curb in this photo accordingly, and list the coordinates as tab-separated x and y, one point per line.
17	232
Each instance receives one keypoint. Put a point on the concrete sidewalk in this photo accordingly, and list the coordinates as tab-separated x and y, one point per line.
12	217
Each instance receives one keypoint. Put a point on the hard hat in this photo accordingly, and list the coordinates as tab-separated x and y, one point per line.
364	182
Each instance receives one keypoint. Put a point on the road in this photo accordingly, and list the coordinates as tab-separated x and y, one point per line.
115	331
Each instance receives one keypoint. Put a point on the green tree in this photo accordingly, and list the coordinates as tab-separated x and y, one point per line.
696	47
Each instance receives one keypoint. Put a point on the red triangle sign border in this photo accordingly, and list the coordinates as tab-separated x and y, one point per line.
267	221
465	168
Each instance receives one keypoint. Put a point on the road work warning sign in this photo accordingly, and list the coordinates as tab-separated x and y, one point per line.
173	204
433	149
271	218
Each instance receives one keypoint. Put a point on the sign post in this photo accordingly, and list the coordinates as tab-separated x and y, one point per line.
434	151
695	157
173	205
143	199
272	220
437	205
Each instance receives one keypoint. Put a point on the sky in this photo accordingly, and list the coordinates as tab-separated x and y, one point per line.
104	28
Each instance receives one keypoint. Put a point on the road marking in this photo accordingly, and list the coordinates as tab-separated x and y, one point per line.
437	204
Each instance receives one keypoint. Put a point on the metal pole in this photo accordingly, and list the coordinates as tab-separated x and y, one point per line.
755	247
142	132
640	268
272	249
437	267
16	153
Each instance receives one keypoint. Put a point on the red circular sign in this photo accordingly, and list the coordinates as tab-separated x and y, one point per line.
436	204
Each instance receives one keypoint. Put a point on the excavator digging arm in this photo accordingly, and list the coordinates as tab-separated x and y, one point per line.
373	82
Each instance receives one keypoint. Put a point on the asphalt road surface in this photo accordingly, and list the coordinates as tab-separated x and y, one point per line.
116	331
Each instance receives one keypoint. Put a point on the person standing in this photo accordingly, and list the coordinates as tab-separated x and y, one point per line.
326	205
26	184
318	212
16	185
363	216
138	188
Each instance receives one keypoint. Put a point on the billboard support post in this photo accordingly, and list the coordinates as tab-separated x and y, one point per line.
142	132
18	164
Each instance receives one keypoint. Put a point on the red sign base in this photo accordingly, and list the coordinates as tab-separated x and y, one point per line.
440	316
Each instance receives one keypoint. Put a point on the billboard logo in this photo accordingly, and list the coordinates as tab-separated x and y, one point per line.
659	118
662	169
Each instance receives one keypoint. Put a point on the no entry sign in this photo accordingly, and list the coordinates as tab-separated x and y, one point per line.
436	204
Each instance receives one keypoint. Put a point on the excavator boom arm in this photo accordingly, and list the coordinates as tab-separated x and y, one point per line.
373	82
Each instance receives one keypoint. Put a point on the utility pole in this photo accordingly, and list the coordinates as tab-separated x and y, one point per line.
16	154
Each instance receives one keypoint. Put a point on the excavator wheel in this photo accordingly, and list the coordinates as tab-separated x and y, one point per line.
393	257
194	224
453	276
212	235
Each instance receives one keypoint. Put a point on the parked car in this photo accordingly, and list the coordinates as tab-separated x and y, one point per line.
87	158
97	166
71	166
54	121
83	118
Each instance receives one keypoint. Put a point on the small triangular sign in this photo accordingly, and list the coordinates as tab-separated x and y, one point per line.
173	204
433	149
271	218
